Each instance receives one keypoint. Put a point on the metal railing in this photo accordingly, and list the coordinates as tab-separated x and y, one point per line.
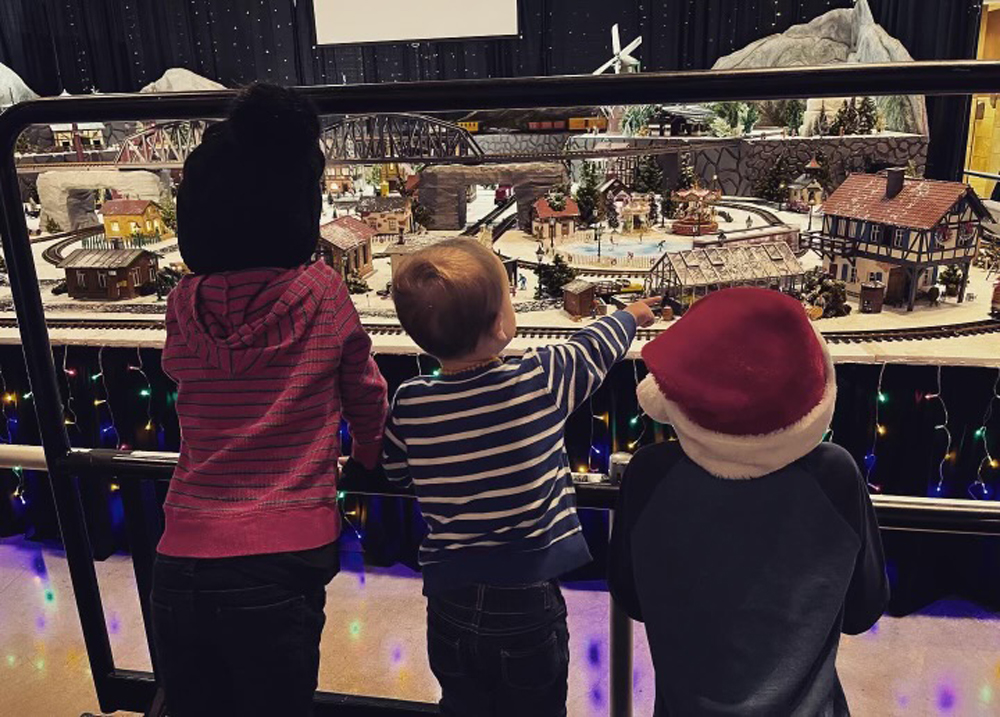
122	689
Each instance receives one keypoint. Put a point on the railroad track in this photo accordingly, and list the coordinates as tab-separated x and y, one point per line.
972	328
55	253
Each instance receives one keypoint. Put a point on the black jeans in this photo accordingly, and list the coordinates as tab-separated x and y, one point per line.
500	650
238	636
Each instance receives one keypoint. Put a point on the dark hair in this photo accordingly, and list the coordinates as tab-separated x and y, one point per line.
250	196
448	295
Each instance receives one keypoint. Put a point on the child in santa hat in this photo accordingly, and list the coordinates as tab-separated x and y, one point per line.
748	545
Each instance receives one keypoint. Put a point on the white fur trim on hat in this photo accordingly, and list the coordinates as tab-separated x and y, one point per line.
749	456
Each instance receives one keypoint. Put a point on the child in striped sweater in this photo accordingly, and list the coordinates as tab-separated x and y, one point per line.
483	447
268	354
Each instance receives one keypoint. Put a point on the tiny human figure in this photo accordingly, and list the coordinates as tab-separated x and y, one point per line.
483	445
749	222
523	281
748	545
662	243
251	514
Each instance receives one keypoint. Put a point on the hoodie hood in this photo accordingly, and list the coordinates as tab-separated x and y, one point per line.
234	320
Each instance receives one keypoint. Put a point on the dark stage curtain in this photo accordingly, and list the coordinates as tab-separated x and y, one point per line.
121	45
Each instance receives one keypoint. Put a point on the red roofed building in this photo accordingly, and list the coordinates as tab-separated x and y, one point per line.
346	245
898	231
554	224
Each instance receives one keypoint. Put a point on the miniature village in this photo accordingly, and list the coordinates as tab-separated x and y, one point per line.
587	207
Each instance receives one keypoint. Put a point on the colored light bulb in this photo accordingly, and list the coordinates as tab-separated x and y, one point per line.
144	392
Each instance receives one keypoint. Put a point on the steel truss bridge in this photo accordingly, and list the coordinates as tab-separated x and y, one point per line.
358	139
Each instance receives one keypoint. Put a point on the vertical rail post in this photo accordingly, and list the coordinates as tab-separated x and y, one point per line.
142	544
49	411
620	640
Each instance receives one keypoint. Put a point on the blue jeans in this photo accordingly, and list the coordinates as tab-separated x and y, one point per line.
239	636
500	650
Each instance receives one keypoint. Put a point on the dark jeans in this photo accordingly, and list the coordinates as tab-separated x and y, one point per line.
500	650
237	636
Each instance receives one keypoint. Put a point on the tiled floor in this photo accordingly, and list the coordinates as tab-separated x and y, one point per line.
926	664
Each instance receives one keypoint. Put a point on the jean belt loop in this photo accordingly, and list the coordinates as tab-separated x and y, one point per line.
480	597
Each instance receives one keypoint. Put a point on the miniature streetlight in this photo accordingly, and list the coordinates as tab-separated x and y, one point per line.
552	233
540	253
597	237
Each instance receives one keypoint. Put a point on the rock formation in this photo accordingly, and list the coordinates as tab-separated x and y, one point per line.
838	36
12	87
178	79
62	193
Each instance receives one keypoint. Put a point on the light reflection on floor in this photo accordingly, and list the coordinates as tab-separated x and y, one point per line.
945	660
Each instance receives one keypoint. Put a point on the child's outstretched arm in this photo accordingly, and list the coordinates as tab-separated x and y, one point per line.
575	369
362	388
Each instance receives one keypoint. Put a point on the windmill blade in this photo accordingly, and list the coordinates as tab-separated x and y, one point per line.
606	66
616	43
628	60
632	46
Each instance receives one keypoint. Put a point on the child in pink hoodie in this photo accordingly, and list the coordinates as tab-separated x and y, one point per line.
268	354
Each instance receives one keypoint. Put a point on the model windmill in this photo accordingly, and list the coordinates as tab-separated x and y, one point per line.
621	58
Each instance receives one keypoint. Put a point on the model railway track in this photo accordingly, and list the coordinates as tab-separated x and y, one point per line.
972	328
56	253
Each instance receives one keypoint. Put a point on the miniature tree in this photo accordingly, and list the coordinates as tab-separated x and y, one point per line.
168	211
846	121
794	112
654	210
586	194
772	183
52	226
422	214
648	176
822	290
612	216
951	277
685	178
867	116
356	284
667	209
821	126
912	170
636	118
749	116
553	277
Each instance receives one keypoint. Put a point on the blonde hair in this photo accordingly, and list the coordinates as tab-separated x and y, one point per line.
449	295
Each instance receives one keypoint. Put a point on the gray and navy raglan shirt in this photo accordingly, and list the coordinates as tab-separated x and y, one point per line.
485	452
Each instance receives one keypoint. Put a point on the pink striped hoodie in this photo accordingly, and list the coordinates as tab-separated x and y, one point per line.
266	362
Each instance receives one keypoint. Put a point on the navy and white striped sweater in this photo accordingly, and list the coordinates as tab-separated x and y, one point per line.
484	450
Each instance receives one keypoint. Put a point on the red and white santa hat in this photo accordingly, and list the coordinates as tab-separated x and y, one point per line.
744	379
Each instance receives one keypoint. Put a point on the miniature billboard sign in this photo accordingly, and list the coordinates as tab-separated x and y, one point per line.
348	22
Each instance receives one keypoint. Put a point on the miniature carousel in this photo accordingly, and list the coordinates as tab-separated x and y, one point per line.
696	211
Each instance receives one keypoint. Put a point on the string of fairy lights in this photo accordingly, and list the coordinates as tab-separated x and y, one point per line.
602	438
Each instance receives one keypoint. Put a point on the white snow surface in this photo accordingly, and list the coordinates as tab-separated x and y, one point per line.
12	87
179	79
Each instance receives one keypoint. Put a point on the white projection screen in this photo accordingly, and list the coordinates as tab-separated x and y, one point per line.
348	22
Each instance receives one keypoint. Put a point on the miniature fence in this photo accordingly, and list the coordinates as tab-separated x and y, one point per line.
612	262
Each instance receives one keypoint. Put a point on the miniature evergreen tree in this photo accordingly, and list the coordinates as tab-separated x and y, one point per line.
794	112
821	126
52	226
667	209
553	277
867	116
685	179
654	210
951	277
586	194
356	284
648	176
749	116
421	214
612	216
772	184
168	211
556	199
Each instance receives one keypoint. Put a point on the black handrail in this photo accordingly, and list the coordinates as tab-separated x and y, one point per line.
117	689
